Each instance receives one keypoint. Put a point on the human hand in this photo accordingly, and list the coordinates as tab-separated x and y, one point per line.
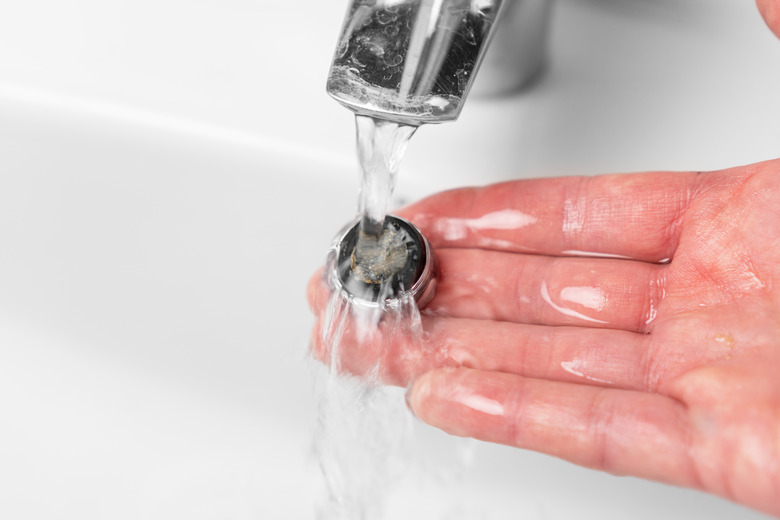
628	323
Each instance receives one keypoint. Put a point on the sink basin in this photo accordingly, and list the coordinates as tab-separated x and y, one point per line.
153	324
158	227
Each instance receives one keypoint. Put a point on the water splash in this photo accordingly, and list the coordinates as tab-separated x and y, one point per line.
364	431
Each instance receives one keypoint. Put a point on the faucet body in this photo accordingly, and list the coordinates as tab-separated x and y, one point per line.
414	61
518	49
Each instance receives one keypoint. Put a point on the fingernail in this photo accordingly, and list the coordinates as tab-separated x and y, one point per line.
408	397
419	390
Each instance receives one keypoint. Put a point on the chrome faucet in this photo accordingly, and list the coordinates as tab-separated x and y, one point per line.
415	61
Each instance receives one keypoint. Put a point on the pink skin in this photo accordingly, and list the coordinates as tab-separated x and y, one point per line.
658	360
676	381
770	10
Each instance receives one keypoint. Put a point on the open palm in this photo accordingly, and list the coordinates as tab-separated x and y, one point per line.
629	323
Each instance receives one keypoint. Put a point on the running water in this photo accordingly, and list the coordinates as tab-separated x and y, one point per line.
363	437
381	146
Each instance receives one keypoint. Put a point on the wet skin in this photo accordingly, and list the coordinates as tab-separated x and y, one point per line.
628	323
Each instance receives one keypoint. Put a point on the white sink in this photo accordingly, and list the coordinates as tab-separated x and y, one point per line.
159	222
153	324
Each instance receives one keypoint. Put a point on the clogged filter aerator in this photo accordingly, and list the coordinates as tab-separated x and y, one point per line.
396	263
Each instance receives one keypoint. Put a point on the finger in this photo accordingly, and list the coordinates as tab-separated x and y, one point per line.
618	431
770	10
364	341
317	292
634	216
600	357
535	289
604	357
596	356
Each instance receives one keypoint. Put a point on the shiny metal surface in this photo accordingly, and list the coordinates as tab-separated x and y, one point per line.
410	61
384	269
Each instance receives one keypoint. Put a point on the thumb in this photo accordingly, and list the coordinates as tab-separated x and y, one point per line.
770	10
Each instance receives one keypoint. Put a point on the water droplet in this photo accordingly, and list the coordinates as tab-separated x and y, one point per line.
469	36
384	17
392	30
462	75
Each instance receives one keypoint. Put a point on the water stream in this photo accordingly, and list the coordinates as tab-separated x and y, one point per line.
364	428
381	146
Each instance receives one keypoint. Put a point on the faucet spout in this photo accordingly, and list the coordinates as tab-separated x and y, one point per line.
411	61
